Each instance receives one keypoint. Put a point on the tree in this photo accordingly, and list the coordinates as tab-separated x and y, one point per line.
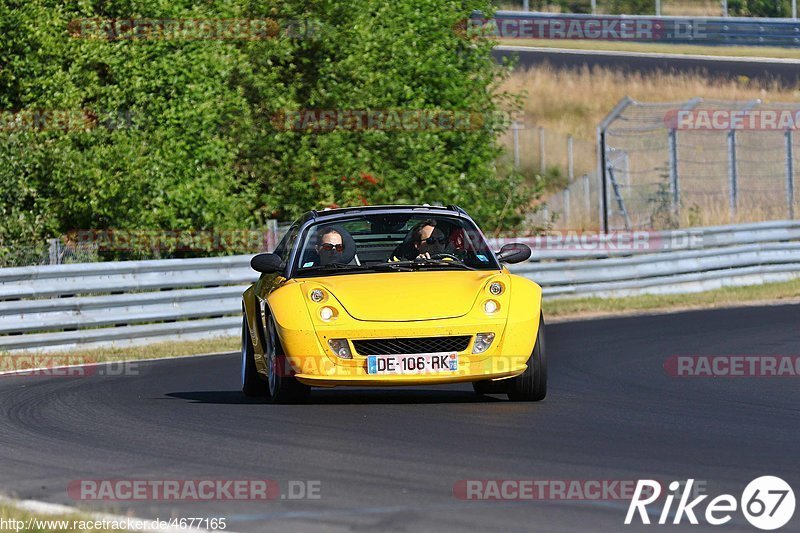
181	134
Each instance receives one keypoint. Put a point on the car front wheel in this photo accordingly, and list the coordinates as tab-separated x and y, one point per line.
252	383
283	387
531	386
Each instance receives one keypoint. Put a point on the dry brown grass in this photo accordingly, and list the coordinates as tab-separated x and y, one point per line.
574	102
691	8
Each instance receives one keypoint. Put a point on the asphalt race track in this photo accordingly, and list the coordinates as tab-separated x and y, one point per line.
785	72
387	460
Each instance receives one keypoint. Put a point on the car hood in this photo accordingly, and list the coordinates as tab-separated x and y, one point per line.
405	296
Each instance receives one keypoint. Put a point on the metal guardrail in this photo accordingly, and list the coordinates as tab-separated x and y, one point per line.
102	304
739	31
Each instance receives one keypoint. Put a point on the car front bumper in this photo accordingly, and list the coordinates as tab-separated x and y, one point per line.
312	362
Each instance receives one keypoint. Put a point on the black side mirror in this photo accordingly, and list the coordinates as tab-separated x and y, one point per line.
514	252
267	263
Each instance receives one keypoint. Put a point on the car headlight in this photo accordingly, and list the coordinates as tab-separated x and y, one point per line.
482	342
317	295
327	313
490	306
496	288
341	348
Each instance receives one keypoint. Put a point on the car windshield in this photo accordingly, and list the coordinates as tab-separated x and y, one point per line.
395	242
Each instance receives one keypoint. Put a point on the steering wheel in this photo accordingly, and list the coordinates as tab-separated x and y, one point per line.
445	255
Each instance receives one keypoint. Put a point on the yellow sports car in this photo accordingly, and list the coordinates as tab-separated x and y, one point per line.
387	296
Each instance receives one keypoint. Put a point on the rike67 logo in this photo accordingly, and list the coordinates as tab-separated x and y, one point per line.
767	503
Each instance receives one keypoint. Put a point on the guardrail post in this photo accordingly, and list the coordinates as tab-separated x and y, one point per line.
674	187
790	173
732	186
515	134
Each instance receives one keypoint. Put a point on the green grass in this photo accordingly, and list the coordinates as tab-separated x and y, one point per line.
725	297
46	524
147	351
659	48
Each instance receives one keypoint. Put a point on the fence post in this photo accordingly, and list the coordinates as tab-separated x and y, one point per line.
674	187
55	257
587	195
658	8
601	157
541	148
594	7
790	173
515	134
570	160
566	206
732	186
724	8
271	240
525	5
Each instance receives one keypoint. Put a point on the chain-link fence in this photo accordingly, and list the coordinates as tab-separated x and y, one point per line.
700	162
568	168
667	165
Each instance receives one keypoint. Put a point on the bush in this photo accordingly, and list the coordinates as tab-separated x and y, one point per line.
760	8
184	135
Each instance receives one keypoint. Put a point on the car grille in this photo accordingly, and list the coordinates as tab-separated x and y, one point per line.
410	345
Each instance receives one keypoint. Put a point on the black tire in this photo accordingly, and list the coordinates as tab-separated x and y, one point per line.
531	386
252	384
282	387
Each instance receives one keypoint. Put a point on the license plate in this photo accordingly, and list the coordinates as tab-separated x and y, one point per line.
412	363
